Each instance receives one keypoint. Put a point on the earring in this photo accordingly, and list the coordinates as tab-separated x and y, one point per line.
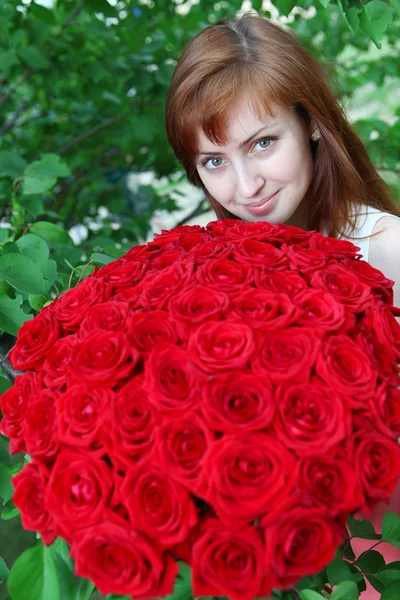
316	135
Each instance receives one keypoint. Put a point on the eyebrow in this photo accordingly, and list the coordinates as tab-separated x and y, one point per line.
242	144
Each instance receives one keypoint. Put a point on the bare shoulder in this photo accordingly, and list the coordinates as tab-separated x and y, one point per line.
384	251
385	243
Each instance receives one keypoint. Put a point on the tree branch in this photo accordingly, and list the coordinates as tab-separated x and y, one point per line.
196	212
29	70
91	131
16	85
7	368
10	123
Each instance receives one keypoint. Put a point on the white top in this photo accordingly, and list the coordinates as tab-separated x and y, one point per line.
365	224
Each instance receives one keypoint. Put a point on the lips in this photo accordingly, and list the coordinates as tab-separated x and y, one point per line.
263	207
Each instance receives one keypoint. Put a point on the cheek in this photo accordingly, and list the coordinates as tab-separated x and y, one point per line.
293	165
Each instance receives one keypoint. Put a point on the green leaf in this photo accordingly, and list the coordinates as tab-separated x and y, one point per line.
396	5
42	175
391	529
310	595
391	592
339	570
374	19
11	315
8	514
5	385
102	6
63	565
285	7
6	488
324	3
11	164
371	561
37	302
4	571
34	576
362	529
34	58
50	232
389	573
8	59
102	259
85	589
4	448
347	590
22	273
33	246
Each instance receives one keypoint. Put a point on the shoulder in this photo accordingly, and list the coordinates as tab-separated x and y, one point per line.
386	239
384	250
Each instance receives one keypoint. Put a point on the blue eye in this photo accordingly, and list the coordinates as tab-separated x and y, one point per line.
265	143
212	160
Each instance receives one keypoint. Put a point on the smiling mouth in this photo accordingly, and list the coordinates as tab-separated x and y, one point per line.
263	201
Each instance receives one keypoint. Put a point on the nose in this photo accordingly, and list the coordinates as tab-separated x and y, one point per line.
248	184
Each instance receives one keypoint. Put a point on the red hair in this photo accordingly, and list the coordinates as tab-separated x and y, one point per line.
250	56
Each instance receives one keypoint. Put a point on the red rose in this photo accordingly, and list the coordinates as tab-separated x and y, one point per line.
157	505
14	406
208	250
384	410
234	400
80	416
304	259
260	254
301	542
386	327
147	329
221	345
331	483
56	363
112	316
103	358
129	424
40	431
381	356
287	354
195	305
120	560
342	366
78	491
170	383
174	235
311	418
193	239
123	275
261	231
181	447
35	338
377	462
157	290
320	309
264	310
166	258
287	282
333	247
344	285
224	275
227	562
29	485
246	476
73	306
372	277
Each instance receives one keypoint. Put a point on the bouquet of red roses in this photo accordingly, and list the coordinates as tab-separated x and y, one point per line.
225	396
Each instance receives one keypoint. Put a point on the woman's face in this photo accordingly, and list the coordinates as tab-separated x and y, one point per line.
264	171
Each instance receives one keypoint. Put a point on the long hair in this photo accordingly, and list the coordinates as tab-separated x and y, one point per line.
250	56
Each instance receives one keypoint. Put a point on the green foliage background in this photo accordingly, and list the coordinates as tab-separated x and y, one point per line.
82	93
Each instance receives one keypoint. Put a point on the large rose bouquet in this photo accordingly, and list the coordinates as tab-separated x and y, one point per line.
225	395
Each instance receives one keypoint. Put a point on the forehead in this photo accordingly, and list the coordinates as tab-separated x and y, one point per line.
243	121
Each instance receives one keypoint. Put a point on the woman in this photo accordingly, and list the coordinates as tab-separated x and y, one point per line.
253	121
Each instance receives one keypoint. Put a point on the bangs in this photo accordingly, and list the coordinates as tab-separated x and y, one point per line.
213	103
